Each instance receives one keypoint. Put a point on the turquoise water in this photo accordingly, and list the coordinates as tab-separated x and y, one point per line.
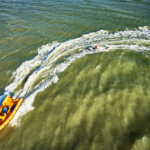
76	99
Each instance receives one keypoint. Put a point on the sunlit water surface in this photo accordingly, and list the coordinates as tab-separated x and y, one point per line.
76	99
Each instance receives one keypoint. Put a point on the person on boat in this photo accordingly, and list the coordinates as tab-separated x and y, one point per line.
5	109
94	48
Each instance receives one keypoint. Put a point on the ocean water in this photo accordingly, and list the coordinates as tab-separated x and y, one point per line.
76	99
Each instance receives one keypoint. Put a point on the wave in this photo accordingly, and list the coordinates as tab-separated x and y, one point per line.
37	74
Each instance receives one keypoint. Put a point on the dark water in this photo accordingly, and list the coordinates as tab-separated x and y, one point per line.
76	99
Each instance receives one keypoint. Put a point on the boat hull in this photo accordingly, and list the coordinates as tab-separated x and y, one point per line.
13	107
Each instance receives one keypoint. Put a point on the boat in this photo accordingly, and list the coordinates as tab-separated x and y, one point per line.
8	109
92	48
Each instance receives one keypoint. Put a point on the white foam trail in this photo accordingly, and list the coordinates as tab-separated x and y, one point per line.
46	64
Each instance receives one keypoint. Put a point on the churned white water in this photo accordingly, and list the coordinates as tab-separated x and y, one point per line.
55	57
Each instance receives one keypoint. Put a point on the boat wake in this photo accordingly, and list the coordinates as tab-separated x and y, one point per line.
37	74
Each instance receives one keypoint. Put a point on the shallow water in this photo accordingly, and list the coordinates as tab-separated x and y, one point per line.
76	99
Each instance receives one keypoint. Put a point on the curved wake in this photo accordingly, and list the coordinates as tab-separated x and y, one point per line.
37	74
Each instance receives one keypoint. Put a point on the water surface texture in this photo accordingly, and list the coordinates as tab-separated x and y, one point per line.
76	99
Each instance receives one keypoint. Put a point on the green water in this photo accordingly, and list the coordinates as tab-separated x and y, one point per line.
76	99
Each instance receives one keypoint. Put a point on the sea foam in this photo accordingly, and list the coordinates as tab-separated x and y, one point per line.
55	57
